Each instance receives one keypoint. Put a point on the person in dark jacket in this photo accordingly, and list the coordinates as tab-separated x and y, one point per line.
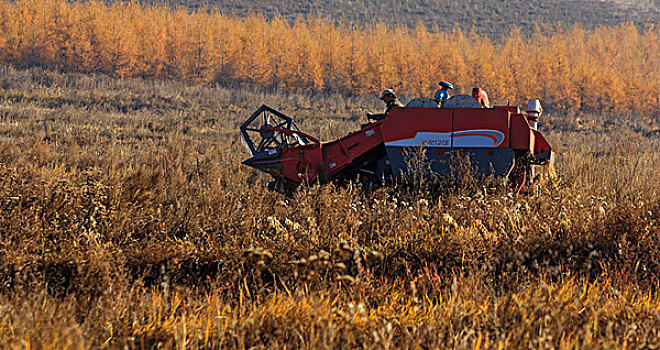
390	102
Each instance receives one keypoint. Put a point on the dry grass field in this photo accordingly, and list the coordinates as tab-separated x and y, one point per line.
127	221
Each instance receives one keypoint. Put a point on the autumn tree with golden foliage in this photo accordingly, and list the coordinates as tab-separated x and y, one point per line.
610	68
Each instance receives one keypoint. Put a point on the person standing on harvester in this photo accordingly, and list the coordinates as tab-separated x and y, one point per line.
390	102
443	94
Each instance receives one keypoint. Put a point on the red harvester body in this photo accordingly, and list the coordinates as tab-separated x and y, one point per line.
498	141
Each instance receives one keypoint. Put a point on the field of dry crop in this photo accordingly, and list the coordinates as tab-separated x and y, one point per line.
126	221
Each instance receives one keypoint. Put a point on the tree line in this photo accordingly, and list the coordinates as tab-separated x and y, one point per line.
612	68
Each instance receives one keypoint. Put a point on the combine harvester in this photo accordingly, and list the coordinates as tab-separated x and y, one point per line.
500	141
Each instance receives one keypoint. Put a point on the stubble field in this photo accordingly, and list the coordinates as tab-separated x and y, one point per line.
126	220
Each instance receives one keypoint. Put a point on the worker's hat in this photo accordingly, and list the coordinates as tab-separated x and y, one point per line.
387	92
446	84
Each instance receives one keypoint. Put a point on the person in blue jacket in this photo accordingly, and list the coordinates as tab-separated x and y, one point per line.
443	94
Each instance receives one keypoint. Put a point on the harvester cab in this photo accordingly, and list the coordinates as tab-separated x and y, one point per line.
500	141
